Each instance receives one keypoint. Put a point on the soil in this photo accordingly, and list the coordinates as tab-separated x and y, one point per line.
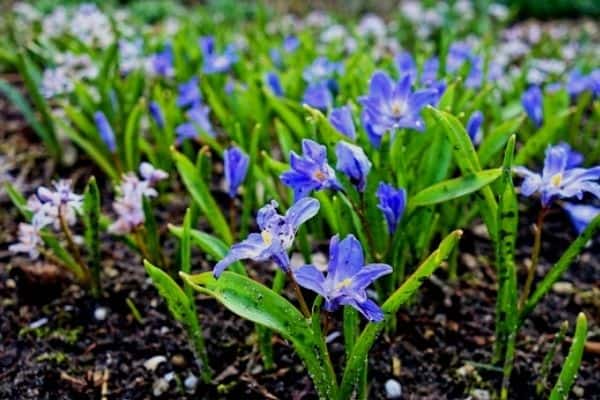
441	350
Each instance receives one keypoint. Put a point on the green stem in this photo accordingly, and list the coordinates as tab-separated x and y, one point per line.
85	272
299	296
535	256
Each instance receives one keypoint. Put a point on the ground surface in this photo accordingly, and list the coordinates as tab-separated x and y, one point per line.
441	348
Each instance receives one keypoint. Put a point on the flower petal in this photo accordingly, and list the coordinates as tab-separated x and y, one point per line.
309	277
253	247
303	210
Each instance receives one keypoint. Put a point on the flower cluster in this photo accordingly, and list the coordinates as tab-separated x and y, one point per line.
129	204
70	68
50	207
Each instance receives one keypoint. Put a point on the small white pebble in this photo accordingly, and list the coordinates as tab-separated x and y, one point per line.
563	288
100	313
39	323
393	389
152	363
480	394
332	336
190	383
159	387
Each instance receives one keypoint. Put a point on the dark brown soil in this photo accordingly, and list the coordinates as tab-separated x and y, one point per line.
441	350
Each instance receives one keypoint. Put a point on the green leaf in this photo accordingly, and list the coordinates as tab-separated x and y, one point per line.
356	361
151	236
497	138
506	307
201	194
468	162
183	310
31	77
15	97
91	222
63	255
18	200
255	302
561	266
454	188
568	374
132	136
91	149
287	115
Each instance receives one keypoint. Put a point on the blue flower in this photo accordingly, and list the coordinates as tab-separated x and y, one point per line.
321	70
461	53
574	158
347	278
581	215
406	65
310	171
275	55
558	179
236	166
156	114
390	106
214	62
353	162
207	45
392	203
474	127
430	71
341	119
104	129
532	103
198	119
189	93
162	62
273	82
317	95
277	233
291	44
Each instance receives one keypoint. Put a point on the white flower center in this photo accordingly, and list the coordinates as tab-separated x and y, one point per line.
221	62
320	176
398	108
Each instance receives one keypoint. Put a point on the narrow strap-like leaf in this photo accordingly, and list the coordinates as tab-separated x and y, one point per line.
568	374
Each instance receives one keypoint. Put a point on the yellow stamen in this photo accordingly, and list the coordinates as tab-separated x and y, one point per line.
267	237
345	283
556	179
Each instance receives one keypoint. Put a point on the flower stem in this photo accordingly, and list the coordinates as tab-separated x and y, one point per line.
232	215
85	272
303	306
366	226
535	256
137	235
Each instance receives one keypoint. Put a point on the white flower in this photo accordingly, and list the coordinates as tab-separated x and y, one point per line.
55	23
129	204
333	33
131	55
91	26
29	240
372	25
52	204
